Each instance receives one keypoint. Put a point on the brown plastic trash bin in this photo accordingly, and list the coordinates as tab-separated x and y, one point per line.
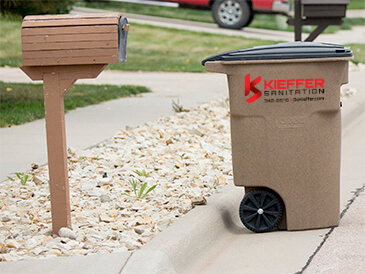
286	132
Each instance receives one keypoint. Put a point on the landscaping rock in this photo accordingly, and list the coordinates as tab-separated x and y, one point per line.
187	156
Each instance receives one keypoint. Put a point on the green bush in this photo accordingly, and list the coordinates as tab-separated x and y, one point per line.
29	7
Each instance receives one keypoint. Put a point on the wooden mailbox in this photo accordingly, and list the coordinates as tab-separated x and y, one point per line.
53	40
321	13
59	49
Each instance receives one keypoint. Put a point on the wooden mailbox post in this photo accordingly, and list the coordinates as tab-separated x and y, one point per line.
321	13
59	49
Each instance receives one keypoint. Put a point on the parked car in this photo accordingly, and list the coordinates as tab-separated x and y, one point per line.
236	14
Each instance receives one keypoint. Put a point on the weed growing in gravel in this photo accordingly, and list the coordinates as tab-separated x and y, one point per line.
143	173
21	176
141	193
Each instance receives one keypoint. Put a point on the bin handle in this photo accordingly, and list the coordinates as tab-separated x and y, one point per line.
218	67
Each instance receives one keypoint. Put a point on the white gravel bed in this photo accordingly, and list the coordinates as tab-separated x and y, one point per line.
187	156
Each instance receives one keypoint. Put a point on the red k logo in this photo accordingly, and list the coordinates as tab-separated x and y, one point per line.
250	86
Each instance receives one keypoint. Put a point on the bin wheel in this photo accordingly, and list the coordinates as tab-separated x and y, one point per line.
261	211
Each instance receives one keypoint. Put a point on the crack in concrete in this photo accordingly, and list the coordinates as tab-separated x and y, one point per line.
356	194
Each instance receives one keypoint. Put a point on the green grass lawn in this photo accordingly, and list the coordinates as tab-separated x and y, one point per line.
10	41
149	48
356	4
22	103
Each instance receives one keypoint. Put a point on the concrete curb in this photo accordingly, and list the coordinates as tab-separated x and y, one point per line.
189	236
149	261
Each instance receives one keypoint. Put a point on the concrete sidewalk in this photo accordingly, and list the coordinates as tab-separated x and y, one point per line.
355	13
343	248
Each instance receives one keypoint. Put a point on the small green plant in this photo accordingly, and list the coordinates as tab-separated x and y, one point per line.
177	107
141	193
143	173
21	176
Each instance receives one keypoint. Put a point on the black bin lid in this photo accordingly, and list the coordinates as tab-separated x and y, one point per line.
292	50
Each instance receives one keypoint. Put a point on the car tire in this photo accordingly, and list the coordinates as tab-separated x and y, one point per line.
232	14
